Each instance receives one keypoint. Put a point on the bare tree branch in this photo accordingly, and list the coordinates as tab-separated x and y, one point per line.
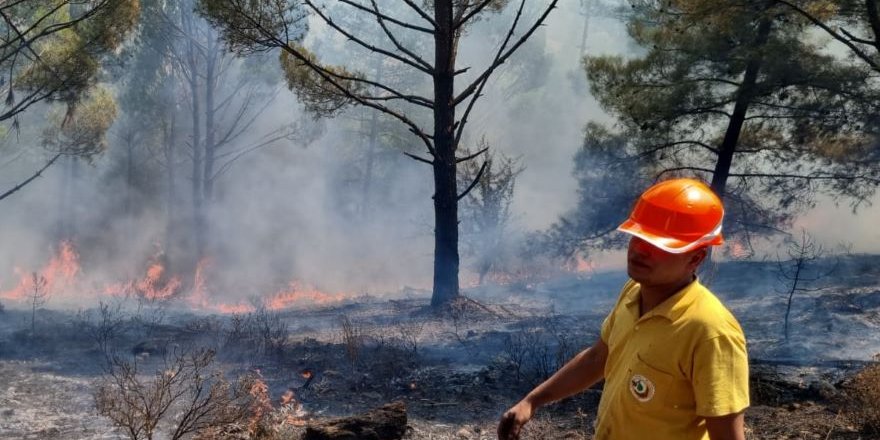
809	177
485	79
397	44
473	12
421	12
363	43
30	179
334	79
420	159
383	17
837	36
467	158
499	60
857	39
241	153
474	183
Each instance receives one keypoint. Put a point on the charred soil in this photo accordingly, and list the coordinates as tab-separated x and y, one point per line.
455	371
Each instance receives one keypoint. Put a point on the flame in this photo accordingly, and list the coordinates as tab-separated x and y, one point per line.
261	405
739	250
294	420
297	294
288	397
63	276
59	273
582	265
294	414
199	296
230	309
149	287
525	276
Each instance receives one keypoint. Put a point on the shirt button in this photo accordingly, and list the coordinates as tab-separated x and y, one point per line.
637	327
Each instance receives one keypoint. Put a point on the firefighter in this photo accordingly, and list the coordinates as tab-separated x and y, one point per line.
672	356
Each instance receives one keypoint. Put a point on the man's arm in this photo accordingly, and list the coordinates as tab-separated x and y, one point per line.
580	373
729	427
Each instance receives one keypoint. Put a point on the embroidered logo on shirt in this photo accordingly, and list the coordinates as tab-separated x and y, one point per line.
641	388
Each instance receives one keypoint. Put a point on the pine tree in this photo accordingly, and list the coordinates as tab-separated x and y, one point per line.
734	92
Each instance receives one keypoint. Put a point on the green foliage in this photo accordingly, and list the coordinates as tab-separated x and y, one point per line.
677	104
81	131
53	49
610	177
256	25
318	95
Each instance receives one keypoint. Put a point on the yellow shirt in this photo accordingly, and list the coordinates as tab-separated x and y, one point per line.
680	362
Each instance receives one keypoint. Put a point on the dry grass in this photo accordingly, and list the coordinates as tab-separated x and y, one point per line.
861	399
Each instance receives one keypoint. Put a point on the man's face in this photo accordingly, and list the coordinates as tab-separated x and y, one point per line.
649	265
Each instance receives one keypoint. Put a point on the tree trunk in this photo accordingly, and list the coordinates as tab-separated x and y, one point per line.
586	9
372	139
446	258
210	131
168	150
197	181
210	147
129	180
197	161
744	98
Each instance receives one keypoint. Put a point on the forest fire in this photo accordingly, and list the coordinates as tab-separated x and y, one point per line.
59	274
298	294
290	411
65	280
152	286
199	298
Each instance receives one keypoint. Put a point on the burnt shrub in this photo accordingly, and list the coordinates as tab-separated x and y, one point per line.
261	333
861	399
186	395
534	351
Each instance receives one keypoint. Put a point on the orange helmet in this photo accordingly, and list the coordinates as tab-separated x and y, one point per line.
677	216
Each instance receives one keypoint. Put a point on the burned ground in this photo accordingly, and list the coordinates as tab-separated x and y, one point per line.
456	372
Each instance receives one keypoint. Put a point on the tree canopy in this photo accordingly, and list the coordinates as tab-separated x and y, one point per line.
738	93
52	49
267	24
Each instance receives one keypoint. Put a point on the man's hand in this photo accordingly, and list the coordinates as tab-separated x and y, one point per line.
578	374
514	419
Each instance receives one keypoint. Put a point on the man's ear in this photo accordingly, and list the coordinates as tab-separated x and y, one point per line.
698	257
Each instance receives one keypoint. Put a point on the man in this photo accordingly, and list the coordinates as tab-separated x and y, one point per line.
672	356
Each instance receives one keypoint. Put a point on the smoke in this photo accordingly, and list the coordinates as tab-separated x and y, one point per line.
301	210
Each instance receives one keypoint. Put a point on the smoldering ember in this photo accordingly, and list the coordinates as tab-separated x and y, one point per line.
382	219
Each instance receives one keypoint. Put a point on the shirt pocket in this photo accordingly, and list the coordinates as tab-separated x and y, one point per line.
651	387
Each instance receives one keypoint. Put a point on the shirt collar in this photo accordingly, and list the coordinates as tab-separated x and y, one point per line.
671	308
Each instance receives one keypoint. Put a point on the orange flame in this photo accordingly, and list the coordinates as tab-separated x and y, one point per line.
59	273
582	265
261	405
297	295
149	287
230	309
295	415
287	398
199	296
